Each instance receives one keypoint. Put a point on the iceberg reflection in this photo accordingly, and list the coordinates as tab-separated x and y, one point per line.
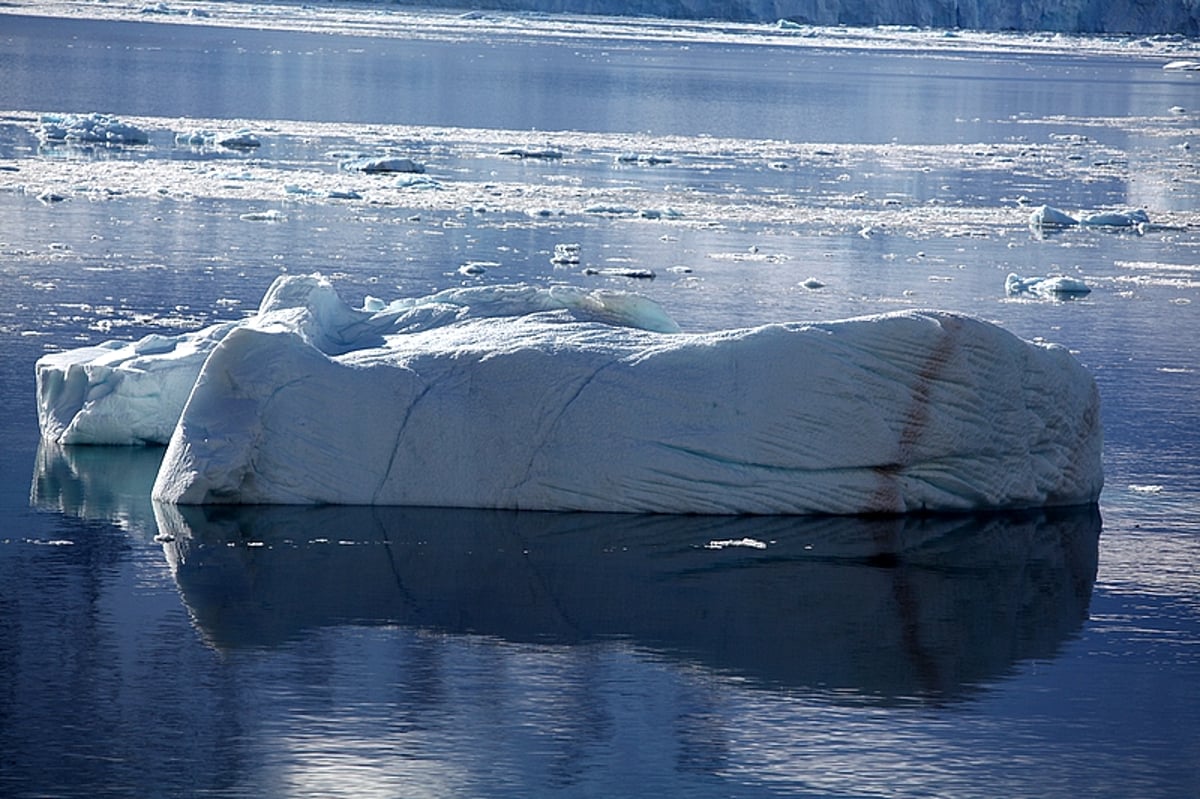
109	484
885	607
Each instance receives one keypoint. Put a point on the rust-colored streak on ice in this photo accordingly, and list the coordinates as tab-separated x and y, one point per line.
887	497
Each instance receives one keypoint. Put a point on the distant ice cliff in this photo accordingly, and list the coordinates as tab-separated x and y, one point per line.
1074	16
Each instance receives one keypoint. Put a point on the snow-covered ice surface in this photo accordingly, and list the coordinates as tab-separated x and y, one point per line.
556	399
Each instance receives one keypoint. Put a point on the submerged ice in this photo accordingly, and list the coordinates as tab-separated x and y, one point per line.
565	399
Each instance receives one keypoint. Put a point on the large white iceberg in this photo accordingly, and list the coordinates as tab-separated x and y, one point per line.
561	399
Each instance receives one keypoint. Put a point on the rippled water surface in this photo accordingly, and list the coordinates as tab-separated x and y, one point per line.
392	652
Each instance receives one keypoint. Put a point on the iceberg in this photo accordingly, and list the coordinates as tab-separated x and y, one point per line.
529	398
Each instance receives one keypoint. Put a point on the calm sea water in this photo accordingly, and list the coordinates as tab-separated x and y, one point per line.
408	652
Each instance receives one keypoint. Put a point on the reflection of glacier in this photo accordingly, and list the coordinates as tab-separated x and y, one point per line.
886	606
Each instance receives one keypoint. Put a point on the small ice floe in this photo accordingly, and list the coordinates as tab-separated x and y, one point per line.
745	543
343	194
161	9
621	271
1145	489
611	210
242	139
475	268
89	128
1133	218
659	213
566	254
416	181
813	284
1182	65
272	215
679	270
1051	286
643	159
197	137
547	154
383	164
1047	216
50	197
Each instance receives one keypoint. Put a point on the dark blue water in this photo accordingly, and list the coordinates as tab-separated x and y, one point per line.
405	652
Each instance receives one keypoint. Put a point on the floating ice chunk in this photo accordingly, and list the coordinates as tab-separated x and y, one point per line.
660	213
1051	286
643	159
622	271
343	194
611	210
747	543
566	254
416	181
160	8
547	154
475	268
197	137
813	284
1183	65
273	215
1048	216
243	139
1117	218
560	409
90	128
383	164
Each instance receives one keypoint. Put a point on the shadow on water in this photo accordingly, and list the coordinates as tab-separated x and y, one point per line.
866	608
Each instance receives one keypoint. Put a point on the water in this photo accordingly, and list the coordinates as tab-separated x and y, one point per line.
407	652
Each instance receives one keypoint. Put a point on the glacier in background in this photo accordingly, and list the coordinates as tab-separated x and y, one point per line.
1067	16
